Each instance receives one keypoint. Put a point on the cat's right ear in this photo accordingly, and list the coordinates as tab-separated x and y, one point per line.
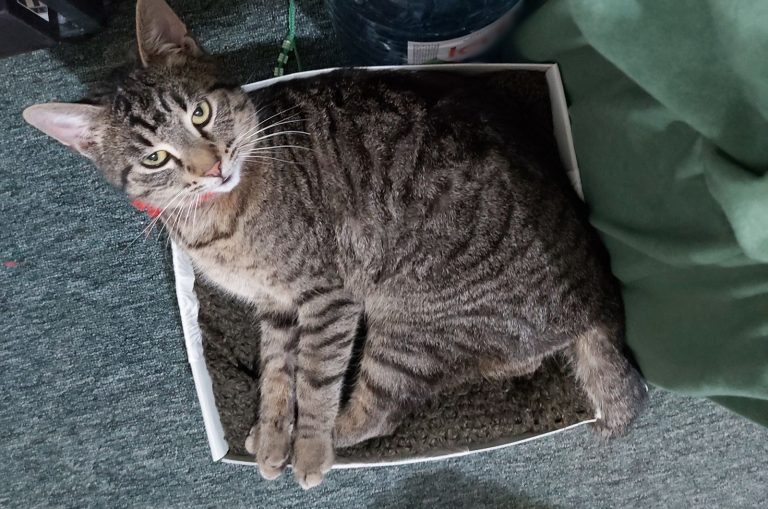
161	34
74	125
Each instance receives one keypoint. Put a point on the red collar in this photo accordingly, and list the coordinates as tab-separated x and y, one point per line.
154	212
151	211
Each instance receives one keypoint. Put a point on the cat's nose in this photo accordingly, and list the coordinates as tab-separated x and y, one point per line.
215	170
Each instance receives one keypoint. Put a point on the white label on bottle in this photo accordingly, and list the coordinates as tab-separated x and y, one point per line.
462	48
35	6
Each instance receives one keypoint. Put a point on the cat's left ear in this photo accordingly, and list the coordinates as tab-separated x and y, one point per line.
74	125
161	34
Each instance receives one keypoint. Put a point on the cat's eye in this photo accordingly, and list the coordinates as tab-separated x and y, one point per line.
202	114
155	159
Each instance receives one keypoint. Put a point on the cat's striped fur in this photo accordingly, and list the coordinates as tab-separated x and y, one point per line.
415	199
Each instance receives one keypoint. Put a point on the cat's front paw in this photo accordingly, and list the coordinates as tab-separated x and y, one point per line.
271	446
312	459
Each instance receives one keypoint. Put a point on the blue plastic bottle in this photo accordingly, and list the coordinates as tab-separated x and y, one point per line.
380	32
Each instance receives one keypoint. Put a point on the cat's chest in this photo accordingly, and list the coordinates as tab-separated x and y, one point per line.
242	275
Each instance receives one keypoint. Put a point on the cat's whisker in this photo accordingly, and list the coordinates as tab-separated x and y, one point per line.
260	123
255	116
270	147
265	153
148	229
195	203
254	130
254	145
164	226
288	120
278	113
189	209
252	148
262	108
157	218
186	214
194	210
180	213
272	158
272	135
257	128
177	222
175	218
180	195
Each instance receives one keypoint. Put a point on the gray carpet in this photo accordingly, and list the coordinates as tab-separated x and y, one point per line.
98	407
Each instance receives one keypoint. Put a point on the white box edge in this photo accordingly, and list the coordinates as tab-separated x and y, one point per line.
184	276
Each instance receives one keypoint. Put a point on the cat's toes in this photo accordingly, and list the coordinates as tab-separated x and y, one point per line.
616	417
607	429
615	421
312	458
270	473
269	470
273	447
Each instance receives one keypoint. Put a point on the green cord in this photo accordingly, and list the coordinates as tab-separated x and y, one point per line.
289	43
291	18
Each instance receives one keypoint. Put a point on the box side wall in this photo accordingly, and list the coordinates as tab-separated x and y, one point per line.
184	276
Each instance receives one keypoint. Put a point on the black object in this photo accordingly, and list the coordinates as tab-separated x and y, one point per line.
26	25
377	32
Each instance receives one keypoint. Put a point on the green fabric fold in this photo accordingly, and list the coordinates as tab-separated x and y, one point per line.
669	108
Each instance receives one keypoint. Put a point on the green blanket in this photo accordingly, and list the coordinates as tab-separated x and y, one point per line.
669	106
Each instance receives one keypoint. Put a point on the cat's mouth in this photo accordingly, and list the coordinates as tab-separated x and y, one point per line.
229	182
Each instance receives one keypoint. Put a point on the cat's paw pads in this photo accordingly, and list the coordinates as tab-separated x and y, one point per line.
272	448
312	459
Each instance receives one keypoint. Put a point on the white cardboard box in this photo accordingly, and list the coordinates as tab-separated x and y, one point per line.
185	277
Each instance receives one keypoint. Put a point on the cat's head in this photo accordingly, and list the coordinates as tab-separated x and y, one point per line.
170	132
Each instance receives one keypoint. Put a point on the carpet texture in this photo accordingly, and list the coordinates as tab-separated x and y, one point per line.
98	406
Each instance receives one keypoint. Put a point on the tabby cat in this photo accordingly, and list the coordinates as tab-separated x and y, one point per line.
415	200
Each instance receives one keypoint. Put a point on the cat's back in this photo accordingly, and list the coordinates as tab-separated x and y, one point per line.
410	135
442	104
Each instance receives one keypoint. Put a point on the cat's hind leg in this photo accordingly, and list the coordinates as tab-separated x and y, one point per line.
394	371
367	415
615	387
